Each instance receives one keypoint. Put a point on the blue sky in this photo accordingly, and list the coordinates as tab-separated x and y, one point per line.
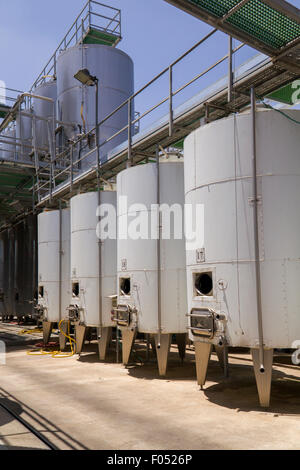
154	34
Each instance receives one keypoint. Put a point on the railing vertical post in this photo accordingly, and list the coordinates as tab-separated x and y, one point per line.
21	131
54	66
90	13
171	126
230	71
72	169
129	163
206	113
82	34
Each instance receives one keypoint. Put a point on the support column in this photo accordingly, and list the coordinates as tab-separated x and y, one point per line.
80	332
162	352
202	352
181	340
263	376
47	330
103	342
128	338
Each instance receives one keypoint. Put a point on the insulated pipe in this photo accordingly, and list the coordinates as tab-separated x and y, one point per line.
256	235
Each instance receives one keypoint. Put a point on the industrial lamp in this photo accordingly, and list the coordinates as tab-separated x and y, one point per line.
84	77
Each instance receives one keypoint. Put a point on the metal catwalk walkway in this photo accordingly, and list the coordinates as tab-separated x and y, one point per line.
215	102
270	26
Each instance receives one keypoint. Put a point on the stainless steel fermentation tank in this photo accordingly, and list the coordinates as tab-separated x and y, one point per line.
8	146
20	268
151	268
44	114
77	103
243	281
53	268
93	266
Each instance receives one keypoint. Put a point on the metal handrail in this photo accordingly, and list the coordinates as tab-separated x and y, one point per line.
77	31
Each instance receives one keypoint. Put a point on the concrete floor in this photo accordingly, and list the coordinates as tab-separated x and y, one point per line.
80	403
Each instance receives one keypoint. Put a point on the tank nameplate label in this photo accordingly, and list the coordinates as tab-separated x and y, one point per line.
124	264
200	255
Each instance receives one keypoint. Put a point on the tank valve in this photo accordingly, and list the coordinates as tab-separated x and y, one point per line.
73	313
38	311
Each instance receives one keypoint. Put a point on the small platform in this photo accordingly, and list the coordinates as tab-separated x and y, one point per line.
96	36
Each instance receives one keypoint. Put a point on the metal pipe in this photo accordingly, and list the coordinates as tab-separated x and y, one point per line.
129	163
60	260
170	101
158	250
230	70
256	234
99	203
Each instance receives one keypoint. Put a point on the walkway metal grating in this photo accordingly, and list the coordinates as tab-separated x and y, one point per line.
256	19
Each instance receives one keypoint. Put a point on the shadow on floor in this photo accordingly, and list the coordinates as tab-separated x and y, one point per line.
239	391
39	421
5	417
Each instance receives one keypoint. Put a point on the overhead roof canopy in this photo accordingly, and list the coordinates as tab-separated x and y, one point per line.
270	26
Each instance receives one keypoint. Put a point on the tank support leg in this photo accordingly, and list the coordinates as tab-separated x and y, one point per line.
202	352
128	338
162	352
263	377
103	342
62	338
181	340
47	330
222	353
80	332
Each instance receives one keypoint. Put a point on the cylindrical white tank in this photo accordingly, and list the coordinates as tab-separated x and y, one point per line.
29	270
10	286
44	109
8	147
19	274
24	134
114	70
6	270
138	258
85	258
53	246
221	273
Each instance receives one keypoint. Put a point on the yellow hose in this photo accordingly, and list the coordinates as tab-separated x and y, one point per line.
57	354
34	331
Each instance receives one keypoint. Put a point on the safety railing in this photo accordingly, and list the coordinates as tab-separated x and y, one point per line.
127	132
94	15
9	96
